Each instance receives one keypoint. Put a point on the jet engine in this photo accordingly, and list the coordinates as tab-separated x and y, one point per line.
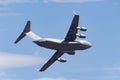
81	35
82	28
62	60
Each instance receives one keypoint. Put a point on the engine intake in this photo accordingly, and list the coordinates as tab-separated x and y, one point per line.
82	28
62	60
81	35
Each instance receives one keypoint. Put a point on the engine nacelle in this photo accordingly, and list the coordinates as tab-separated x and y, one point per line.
82	28
62	60
81	35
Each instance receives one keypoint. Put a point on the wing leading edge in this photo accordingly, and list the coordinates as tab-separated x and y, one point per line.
71	35
52	60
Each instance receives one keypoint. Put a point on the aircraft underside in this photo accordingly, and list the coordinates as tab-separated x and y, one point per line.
61	47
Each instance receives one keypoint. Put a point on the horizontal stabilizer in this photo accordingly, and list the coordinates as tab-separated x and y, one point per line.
20	37
23	34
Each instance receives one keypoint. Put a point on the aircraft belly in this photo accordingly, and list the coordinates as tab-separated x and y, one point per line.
59	46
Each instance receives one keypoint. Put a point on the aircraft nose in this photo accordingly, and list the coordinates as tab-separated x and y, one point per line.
89	44
86	44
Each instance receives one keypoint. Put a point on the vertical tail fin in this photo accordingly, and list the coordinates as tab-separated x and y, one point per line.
25	31
27	27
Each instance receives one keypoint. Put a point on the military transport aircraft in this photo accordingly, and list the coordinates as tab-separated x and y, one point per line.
67	45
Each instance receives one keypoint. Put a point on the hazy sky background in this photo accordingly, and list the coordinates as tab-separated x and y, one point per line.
52	18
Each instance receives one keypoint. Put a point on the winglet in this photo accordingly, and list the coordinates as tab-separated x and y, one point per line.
23	34
75	13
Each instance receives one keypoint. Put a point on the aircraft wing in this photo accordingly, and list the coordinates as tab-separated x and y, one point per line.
71	35
52	60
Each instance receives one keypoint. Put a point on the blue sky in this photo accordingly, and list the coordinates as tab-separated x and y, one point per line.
52	18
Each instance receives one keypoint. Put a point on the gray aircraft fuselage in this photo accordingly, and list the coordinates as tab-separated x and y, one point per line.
61	45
